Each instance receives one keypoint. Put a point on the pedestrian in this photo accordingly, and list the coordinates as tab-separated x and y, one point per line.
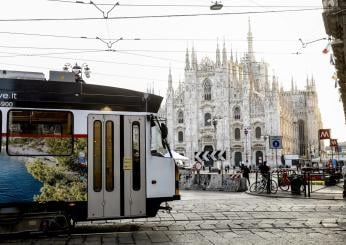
264	169
246	173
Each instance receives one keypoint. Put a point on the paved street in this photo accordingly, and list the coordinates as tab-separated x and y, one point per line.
220	218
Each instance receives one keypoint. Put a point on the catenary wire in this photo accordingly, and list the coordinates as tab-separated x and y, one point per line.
161	16
187	5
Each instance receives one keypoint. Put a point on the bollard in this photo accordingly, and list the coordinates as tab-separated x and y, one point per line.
309	185
268	183
304	185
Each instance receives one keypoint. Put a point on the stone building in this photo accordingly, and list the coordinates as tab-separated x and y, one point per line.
233	105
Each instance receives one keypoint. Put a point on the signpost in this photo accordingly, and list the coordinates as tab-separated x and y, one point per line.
275	142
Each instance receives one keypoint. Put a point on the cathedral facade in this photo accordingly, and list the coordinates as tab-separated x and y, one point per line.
234	106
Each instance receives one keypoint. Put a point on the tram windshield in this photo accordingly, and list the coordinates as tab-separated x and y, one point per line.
158	147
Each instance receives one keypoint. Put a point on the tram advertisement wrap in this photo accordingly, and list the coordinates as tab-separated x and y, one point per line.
55	177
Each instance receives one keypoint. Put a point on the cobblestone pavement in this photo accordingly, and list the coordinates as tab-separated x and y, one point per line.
219	218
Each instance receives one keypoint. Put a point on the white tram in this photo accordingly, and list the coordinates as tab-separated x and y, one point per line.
72	151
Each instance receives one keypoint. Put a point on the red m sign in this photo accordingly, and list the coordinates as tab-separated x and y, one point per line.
333	142
324	134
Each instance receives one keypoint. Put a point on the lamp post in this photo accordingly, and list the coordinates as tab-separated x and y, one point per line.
216	6
265	137
77	71
214	122
246	131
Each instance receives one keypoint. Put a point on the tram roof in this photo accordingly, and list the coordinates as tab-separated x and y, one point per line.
28	93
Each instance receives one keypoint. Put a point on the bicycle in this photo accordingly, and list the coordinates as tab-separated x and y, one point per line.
261	186
284	182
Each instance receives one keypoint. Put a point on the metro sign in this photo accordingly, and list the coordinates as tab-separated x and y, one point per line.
324	134
333	143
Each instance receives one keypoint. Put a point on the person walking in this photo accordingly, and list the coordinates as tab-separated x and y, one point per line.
246	172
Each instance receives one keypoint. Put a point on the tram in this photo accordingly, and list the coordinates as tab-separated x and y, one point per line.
72	151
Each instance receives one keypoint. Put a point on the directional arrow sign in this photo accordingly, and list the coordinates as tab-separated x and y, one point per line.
197	156
206	156
213	155
222	155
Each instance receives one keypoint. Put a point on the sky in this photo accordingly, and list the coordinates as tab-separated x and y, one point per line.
137	52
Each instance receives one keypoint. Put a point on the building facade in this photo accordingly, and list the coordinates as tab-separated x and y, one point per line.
233	105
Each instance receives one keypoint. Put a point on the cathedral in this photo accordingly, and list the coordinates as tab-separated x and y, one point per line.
232	105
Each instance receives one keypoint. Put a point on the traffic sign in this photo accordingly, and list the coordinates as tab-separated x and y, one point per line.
275	142
201	156
198	165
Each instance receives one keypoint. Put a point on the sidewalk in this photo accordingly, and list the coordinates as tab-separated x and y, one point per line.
318	192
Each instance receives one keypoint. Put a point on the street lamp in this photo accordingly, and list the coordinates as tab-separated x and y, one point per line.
265	137
77	71
216	6
246	131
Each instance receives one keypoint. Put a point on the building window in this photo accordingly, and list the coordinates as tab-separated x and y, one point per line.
207	119
258	132
236	113
180	117
237	158
39	133
301	137
237	134
180	136
207	90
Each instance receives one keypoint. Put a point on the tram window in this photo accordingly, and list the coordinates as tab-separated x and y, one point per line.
97	156
1	130
109	156
157	148
39	133
136	157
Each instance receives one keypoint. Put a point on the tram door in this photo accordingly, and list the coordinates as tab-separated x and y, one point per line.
104	166
134	166
116	166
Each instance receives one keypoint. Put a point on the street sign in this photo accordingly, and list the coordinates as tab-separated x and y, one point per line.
206	156
275	142
198	165
198	156
333	143
201	156
222	155
324	134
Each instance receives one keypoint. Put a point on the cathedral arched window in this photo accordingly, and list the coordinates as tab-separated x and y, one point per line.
207	90
301	137
180	117
237	134
258	132
207	119
236	113
180	136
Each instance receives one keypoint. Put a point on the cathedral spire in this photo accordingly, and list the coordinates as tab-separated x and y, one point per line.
292	85
170	79
313	84
218	62
224	55
187	61
231	55
250	42
274	84
193	59
307	82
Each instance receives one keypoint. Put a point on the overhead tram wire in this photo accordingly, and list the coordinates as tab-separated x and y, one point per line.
143	39
186	5
161	16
